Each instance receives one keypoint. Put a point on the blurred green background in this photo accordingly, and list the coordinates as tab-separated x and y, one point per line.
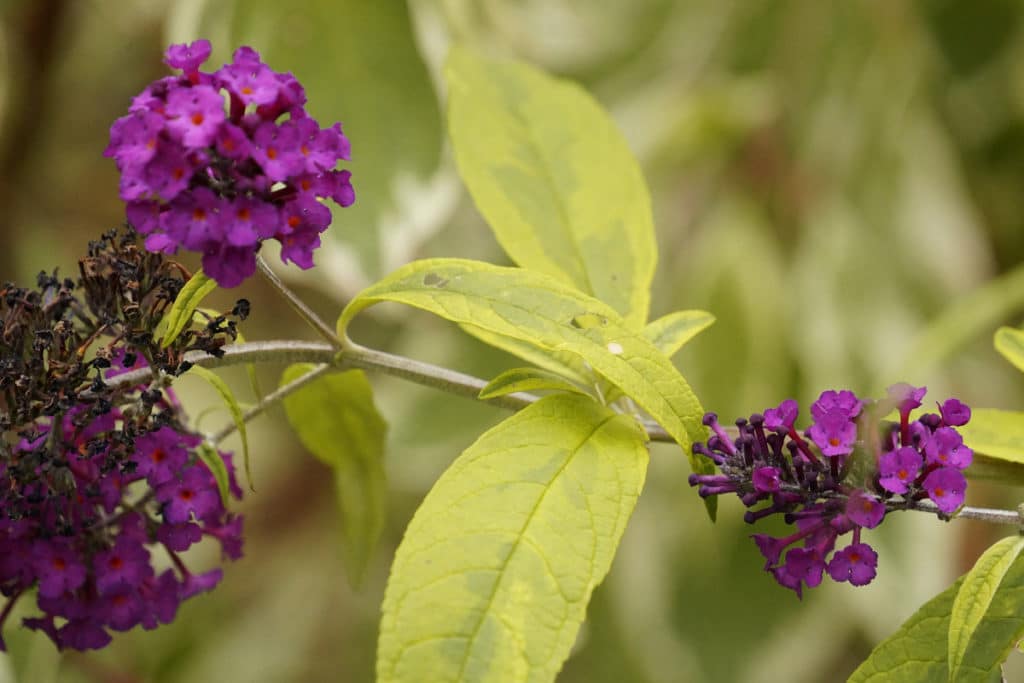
839	183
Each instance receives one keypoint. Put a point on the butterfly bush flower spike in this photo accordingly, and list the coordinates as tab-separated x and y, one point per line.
101	482
218	162
819	483
91	554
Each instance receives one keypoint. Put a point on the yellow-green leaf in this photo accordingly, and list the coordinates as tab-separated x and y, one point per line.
211	458
540	310
527	379
670	332
567	365
335	418
997	438
554	177
1010	343
179	315
918	651
231	402
492	579
976	593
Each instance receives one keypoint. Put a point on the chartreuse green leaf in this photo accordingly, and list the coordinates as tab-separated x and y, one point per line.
561	363
555	179
335	418
527	379
231	402
997	437
670	332
493	577
976	594
918	651
1010	343
540	310
179	315
211	458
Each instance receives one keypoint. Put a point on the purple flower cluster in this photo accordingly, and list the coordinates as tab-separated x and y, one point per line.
82	531
218	162
844	474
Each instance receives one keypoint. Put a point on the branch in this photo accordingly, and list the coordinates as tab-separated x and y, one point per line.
270	399
300	307
425	374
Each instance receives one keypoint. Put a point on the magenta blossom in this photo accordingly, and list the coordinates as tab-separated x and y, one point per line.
845	480
218	162
899	469
946	447
945	486
856	563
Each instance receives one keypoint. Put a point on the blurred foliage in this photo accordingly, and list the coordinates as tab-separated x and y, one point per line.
840	184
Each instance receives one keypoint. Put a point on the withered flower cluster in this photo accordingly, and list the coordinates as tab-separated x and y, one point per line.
93	473
57	340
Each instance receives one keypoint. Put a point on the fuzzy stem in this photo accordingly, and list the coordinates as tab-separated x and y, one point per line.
307	313
425	374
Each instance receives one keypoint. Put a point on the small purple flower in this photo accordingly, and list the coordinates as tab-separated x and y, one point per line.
844	402
770	547
166	176
194	220
248	79
179	537
865	509
856	563
299	247
276	150
229	266
194	115
801	566
341	188
162	596
58	567
125	565
954	413
250	221
906	396
945	486
834	433
133	139
946	447
82	634
159	455
195	584
782	417
766	479
233	143
194	494
188	57
124	609
320	148
144	216
899	469
230	537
